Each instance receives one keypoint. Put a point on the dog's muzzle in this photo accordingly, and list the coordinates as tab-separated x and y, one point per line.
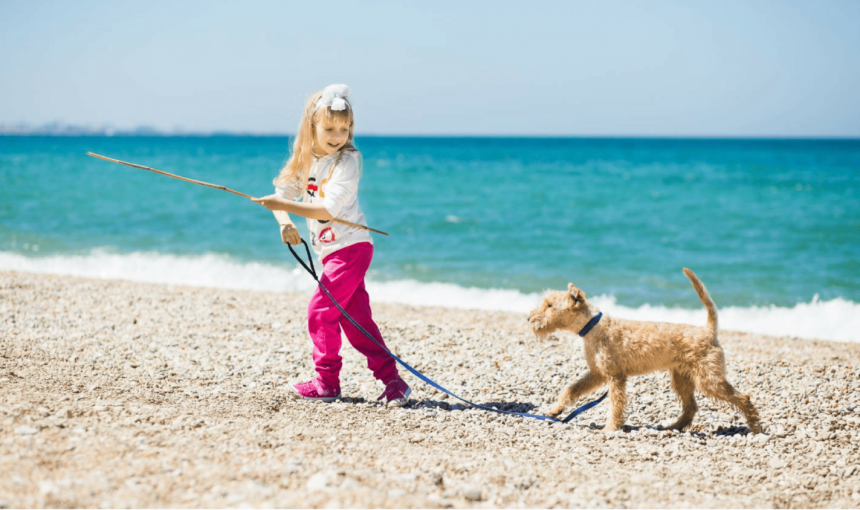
537	327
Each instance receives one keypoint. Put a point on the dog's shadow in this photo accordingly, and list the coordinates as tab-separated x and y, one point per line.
738	430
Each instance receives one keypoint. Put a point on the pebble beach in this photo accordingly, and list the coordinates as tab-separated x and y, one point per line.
121	394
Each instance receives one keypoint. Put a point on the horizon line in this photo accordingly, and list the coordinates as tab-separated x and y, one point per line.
240	134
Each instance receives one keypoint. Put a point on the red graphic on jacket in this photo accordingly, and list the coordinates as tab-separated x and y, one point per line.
312	187
326	235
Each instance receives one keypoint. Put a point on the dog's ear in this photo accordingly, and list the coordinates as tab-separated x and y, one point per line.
575	293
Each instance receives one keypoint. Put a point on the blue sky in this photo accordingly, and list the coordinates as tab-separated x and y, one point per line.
640	68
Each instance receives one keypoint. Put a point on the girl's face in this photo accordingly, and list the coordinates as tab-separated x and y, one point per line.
330	136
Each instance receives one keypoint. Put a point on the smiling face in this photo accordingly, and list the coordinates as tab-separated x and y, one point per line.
330	135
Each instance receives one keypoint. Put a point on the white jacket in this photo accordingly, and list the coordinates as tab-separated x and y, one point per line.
337	190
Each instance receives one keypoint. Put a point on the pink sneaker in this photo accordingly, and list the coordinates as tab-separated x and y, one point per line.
396	393
315	390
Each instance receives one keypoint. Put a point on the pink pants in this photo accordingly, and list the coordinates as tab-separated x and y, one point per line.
343	276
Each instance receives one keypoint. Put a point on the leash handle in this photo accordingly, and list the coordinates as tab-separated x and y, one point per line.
309	267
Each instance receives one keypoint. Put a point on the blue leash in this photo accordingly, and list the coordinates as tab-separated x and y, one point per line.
312	271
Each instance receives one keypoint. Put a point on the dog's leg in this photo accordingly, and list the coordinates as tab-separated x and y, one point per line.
618	402
722	390
686	389
568	396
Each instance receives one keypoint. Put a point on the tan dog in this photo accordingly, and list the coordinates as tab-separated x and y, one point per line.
616	349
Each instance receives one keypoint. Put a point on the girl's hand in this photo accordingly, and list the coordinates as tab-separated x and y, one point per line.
271	202
290	234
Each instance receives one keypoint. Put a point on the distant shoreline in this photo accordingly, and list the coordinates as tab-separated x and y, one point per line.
227	134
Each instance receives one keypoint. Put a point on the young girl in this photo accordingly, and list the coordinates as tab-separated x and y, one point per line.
324	170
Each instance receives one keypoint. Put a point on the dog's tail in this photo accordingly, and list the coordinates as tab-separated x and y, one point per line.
704	297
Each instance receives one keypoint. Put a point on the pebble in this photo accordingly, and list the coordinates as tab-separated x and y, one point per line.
472	493
350	484
319	481
26	431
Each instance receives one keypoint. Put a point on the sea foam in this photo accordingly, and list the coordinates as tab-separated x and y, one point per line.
836	319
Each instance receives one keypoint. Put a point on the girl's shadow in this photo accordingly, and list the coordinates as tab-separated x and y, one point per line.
516	407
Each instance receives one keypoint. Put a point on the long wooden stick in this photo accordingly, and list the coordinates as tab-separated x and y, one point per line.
216	186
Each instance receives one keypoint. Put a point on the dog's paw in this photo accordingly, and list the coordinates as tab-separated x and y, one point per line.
555	411
679	425
613	427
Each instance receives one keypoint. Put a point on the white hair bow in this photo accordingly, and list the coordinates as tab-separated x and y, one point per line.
334	96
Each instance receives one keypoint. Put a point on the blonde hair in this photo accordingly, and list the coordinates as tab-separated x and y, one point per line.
299	165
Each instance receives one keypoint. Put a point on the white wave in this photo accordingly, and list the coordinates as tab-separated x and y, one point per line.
449	295
837	319
208	270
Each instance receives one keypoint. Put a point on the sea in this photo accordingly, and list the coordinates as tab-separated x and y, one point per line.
772	227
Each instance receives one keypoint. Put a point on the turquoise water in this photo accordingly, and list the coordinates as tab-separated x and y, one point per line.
763	222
